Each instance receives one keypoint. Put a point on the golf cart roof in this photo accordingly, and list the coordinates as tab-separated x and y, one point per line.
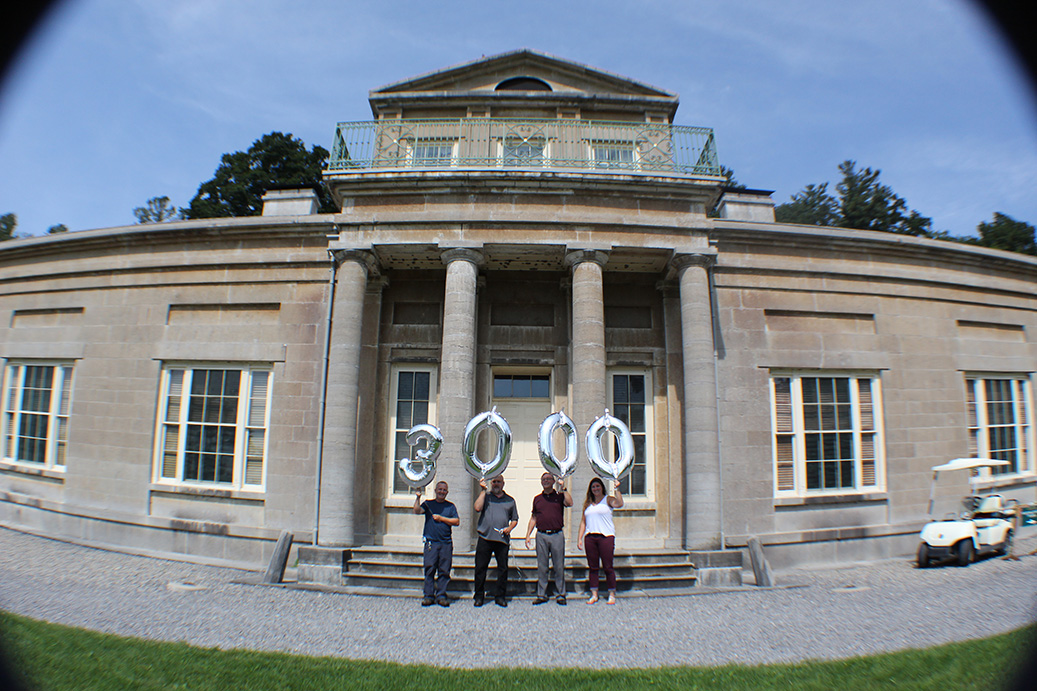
967	463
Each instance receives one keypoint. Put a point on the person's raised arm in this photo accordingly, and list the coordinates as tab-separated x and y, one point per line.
480	501
616	501
567	499
417	501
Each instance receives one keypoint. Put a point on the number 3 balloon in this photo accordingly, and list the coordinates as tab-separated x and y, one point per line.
619	468
559	467
419	471
475	466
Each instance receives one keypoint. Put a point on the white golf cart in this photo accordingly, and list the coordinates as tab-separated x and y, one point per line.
984	527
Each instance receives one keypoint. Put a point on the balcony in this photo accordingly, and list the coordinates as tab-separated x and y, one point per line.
514	144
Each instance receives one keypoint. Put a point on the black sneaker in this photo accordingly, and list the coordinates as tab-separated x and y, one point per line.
443	602
427	601
560	600
539	600
478	601
501	602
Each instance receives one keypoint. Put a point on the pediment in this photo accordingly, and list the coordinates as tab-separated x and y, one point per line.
523	68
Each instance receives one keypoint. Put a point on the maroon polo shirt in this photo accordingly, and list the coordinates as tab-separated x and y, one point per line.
548	510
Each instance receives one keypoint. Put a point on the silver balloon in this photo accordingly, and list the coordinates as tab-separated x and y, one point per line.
475	466
621	466
419	471
559	467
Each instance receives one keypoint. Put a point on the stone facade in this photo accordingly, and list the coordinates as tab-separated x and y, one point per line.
451	283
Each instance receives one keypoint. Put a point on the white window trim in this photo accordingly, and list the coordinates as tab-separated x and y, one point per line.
635	163
545	157
646	372
799	437
412	145
241	425
1028	463
394	390
67	370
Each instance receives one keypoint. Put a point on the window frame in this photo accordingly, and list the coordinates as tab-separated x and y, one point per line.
416	161
616	145
391	429
523	161
794	427
243	424
977	420
649	433
56	449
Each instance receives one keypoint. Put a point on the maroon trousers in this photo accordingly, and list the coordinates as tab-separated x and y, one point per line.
600	547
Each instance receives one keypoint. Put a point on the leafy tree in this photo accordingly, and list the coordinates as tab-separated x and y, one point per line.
729	175
156	210
1006	233
813	206
274	160
59	228
7	226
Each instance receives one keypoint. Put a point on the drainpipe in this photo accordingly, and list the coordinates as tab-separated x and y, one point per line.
324	388
715	313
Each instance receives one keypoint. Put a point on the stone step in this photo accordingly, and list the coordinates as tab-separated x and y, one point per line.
398	570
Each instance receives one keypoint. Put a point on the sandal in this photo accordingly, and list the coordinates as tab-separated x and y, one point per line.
611	600
594	598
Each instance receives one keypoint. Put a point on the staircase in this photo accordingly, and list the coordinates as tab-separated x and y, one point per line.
398	570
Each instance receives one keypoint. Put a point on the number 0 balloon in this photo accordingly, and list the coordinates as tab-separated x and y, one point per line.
475	466
419	471
619	468
559	467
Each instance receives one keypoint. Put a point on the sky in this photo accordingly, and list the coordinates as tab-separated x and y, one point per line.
113	102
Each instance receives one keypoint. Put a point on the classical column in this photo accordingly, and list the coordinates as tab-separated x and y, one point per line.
588	361
457	382
702	487
335	516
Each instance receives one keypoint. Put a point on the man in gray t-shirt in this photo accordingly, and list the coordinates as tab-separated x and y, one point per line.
498	515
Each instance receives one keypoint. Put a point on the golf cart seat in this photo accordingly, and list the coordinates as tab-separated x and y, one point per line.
991	506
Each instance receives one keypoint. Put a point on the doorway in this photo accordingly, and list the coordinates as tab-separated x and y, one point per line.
524	400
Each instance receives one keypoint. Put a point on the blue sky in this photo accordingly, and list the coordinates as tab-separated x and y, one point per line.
117	101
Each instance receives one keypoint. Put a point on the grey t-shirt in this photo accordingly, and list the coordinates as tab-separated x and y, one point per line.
497	513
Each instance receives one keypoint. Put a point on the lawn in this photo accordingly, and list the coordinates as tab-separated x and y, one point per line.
50	657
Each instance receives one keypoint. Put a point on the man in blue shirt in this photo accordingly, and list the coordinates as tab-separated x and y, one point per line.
440	517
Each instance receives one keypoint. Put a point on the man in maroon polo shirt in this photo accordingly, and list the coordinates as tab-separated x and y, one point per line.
548	518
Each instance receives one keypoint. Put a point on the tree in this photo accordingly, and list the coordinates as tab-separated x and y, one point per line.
59	228
813	207
7	226
156	210
862	203
275	160
1006	233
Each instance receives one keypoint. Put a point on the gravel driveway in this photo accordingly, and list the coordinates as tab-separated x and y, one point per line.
840	612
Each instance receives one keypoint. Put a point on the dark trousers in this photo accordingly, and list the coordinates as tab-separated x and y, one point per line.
439	557
483	549
601	547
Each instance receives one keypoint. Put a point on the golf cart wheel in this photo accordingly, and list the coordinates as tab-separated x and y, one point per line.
1006	546
965	552
923	556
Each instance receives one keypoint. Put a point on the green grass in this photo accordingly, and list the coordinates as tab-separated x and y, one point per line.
53	657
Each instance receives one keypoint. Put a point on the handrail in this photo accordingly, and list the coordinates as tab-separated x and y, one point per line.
507	143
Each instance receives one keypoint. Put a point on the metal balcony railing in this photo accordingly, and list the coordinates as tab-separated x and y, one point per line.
487	143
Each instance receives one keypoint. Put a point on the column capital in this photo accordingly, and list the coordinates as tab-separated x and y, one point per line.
703	259
464	254
574	257
365	258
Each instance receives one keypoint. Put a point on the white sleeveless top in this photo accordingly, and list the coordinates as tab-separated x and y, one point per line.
599	518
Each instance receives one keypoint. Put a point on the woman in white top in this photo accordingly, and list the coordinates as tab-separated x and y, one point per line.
596	526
